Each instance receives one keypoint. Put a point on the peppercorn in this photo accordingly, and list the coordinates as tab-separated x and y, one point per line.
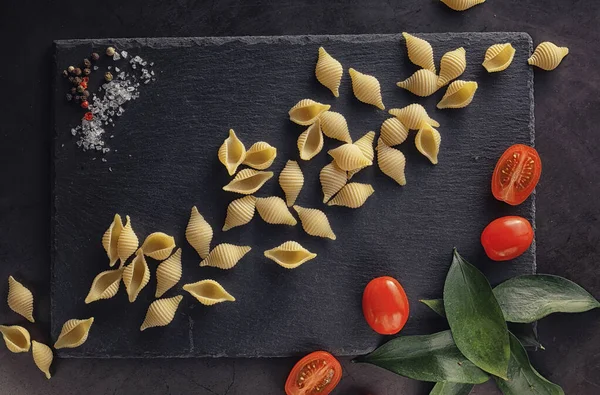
71	69
69	97
95	56
88	116
108	76
77	97
65	73
86	94
77	71
87	71
83	84
73	90
71	79
80	89
110	51
76	80
87	63
85	104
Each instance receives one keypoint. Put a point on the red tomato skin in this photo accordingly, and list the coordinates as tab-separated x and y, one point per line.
506	238
385	305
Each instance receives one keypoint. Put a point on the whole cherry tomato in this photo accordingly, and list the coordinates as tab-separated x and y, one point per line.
385	305
506	238
516	174
316	373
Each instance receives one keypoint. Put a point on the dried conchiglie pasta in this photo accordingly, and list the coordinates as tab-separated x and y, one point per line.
332	180
349	157
459	94
260	156
42	356
391	162
307	111
366	88
225	256
208	292
422	83
419	52
248	181
498	57
290	255
232	153
310	142
239	212
315	222
365	144
168	273
412	116
352	195
136	276
291	180
461	5
273	210
128	242
110	239
105	285
428	142
158	245
547	56
199	233
329	72
74	333
334	126
452	65
16	337
20	299
393	132
161	312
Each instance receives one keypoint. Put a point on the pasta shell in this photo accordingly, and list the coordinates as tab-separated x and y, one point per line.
391	162
20	299
332	180
334	126
315	222
428	142
352	195
290	255
393	132
452	65
161	312
459	94
291	180
412	116
260	156
329	72
547	56
208	292
310	142
366	88
110	239
461	5
128	242
239	212
349	157
419	52
365	144
422	83
199	233
248	181
498	57
105	285
136	276
42	356
307	111
273	210
16	337
74	333
158	245
232	153
225	256
168	273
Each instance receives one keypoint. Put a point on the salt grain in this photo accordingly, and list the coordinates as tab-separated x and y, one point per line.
124	54
116	56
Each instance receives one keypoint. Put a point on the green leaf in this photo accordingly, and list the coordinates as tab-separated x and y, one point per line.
475	317
451	389
530	297
426	358
436	305
523	379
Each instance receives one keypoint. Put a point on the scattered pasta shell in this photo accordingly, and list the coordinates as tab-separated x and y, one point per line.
428	142
461	5
248	181
110	239
498	57
225	256
334	126
105	285
452	65
459	94
136	276
307	111
419	52
547	56
20	299
74	333
273	210
42	356
158	245
352	195
422	83
393	132
412	116
310	142
329	72
209	292
349	157
16	337
315	222
391	162
128	242
366	88
199	233
365	144
239	212
168	273
232	153
291	180
290	255
161	312
260	156
332	180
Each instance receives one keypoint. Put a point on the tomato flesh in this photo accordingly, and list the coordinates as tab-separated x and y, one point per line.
506	238
516	174
316	374
385	305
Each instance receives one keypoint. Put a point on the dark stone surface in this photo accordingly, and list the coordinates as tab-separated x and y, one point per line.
568	213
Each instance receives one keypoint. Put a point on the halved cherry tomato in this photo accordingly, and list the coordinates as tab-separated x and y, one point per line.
506	238
316	373
385	305
516	174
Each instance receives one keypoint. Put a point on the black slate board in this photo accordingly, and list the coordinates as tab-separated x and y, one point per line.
166	162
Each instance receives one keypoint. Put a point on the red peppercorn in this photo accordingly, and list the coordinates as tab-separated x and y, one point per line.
85	104
88	116
85	79
83	84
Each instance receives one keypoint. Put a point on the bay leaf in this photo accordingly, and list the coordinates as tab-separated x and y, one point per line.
436	305
451	389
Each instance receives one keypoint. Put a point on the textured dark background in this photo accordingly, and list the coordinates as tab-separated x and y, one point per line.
568	213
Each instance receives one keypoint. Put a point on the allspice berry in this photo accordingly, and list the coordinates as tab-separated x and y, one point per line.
108	76
77	80
80	89
73	90
86	94
110	51
95	56
78	71
87	63
87	71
